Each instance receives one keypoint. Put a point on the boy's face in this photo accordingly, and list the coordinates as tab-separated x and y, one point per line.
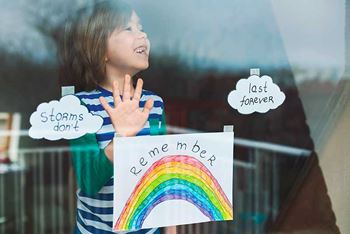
128	49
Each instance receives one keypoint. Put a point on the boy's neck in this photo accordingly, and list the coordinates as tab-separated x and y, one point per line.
119	77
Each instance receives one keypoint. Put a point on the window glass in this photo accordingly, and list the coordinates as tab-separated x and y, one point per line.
290	163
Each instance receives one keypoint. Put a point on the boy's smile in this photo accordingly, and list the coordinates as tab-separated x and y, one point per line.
142	50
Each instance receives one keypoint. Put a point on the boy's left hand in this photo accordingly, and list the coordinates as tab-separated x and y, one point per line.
126	116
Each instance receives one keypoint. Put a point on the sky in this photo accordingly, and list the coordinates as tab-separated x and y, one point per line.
227	34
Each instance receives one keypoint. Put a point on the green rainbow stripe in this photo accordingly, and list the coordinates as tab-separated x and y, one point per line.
176	177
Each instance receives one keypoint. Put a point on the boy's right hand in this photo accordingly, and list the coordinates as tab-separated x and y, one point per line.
126	116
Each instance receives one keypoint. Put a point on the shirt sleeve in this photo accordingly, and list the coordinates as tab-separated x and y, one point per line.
91	165
158	126
162	130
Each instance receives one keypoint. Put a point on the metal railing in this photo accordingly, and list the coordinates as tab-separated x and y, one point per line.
37	193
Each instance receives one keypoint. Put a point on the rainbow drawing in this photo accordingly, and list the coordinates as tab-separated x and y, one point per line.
176	177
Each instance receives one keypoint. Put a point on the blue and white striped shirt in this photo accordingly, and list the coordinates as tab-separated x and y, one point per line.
95	213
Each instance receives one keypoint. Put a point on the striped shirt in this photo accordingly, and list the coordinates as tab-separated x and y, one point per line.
95	212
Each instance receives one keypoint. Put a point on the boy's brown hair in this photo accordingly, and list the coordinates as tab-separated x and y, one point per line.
83	46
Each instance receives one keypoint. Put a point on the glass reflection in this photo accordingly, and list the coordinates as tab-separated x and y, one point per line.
200	49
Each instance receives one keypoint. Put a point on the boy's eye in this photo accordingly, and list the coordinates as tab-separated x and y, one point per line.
130	29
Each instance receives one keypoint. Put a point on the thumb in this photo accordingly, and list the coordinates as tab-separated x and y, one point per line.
148	106
105	105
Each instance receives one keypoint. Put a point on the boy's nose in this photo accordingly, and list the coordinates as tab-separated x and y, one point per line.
142	34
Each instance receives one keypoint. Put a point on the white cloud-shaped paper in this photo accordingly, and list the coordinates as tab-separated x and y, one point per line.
256	94
63	119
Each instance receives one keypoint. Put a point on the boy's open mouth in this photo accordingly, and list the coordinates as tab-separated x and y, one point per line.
141	50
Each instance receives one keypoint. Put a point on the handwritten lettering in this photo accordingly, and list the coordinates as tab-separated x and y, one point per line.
63	121
155	153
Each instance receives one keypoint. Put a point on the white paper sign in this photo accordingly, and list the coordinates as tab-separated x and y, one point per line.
63	119
256	94
172	180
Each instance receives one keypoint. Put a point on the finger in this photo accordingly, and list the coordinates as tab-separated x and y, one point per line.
138	90
148	106
116	94
126	92
105	105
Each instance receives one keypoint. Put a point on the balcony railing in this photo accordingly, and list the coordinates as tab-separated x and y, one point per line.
37	192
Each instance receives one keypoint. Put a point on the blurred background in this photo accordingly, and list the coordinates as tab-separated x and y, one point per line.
291	163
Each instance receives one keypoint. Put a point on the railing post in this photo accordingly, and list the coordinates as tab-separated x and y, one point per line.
41	192
2	204
275	187
257	182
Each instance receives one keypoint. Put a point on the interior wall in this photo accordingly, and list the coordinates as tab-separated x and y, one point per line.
335	163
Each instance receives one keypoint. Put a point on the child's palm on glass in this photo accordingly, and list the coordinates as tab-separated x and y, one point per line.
126	116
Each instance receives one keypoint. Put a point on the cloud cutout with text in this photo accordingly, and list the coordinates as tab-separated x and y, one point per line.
256	94
63	119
